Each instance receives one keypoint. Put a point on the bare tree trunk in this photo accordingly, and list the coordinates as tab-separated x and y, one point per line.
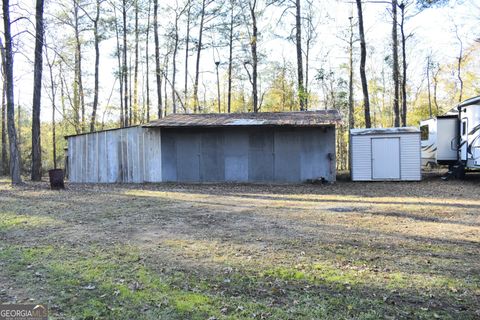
125	66
253	47
384	93
230	58
428	86
53	87
363	58
311	37
19	129
4	164
165	84
351	110
204	95
135	72
307	66
166	62
97	62
148	64
157	59
130	87
66	94
217	63
120	69
174	74
62	91
395	73
36	173
404	66
351	118
54	139
7	53
298	43
142	110
78	67
187	48
178	14
283	98
459	64
199	50
77	92
167	81
80	88
435	84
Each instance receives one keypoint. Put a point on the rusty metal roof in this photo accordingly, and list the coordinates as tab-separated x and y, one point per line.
296	119
98	131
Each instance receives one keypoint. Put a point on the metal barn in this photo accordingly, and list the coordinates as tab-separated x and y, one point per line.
385	154
261	147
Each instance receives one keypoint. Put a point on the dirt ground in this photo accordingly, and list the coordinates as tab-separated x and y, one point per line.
399	250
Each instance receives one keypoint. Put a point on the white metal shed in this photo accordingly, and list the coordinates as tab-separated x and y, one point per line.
383	154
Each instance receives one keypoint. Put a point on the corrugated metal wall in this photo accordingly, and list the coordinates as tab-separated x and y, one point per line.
248	154
410	156
123	155
195	155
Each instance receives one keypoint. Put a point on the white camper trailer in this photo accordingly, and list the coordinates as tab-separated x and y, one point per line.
453	139
439	140
469	141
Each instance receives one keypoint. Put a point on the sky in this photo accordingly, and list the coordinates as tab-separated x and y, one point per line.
432	32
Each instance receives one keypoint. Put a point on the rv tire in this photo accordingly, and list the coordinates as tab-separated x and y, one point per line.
460	172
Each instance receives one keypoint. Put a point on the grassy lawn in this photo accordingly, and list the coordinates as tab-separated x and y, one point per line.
342	251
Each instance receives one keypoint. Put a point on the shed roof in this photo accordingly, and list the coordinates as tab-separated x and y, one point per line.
375	131
297	119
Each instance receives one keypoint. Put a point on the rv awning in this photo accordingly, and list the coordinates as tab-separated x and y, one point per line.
469	102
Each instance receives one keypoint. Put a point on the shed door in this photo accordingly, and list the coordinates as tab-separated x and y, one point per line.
385	158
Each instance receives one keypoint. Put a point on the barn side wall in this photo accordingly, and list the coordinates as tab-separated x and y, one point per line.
410	156
255	154
130	155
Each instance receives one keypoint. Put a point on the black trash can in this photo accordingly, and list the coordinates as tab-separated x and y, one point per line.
56	179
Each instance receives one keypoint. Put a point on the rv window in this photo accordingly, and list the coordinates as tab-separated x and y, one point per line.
424	132
464	128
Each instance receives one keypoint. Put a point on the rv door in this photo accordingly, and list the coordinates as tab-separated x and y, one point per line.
464	139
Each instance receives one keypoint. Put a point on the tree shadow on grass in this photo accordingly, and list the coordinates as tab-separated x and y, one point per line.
74	209
121	283
275	227
248	226
349	205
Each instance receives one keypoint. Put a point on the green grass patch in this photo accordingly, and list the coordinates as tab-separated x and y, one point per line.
180	252
11	221
116	283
